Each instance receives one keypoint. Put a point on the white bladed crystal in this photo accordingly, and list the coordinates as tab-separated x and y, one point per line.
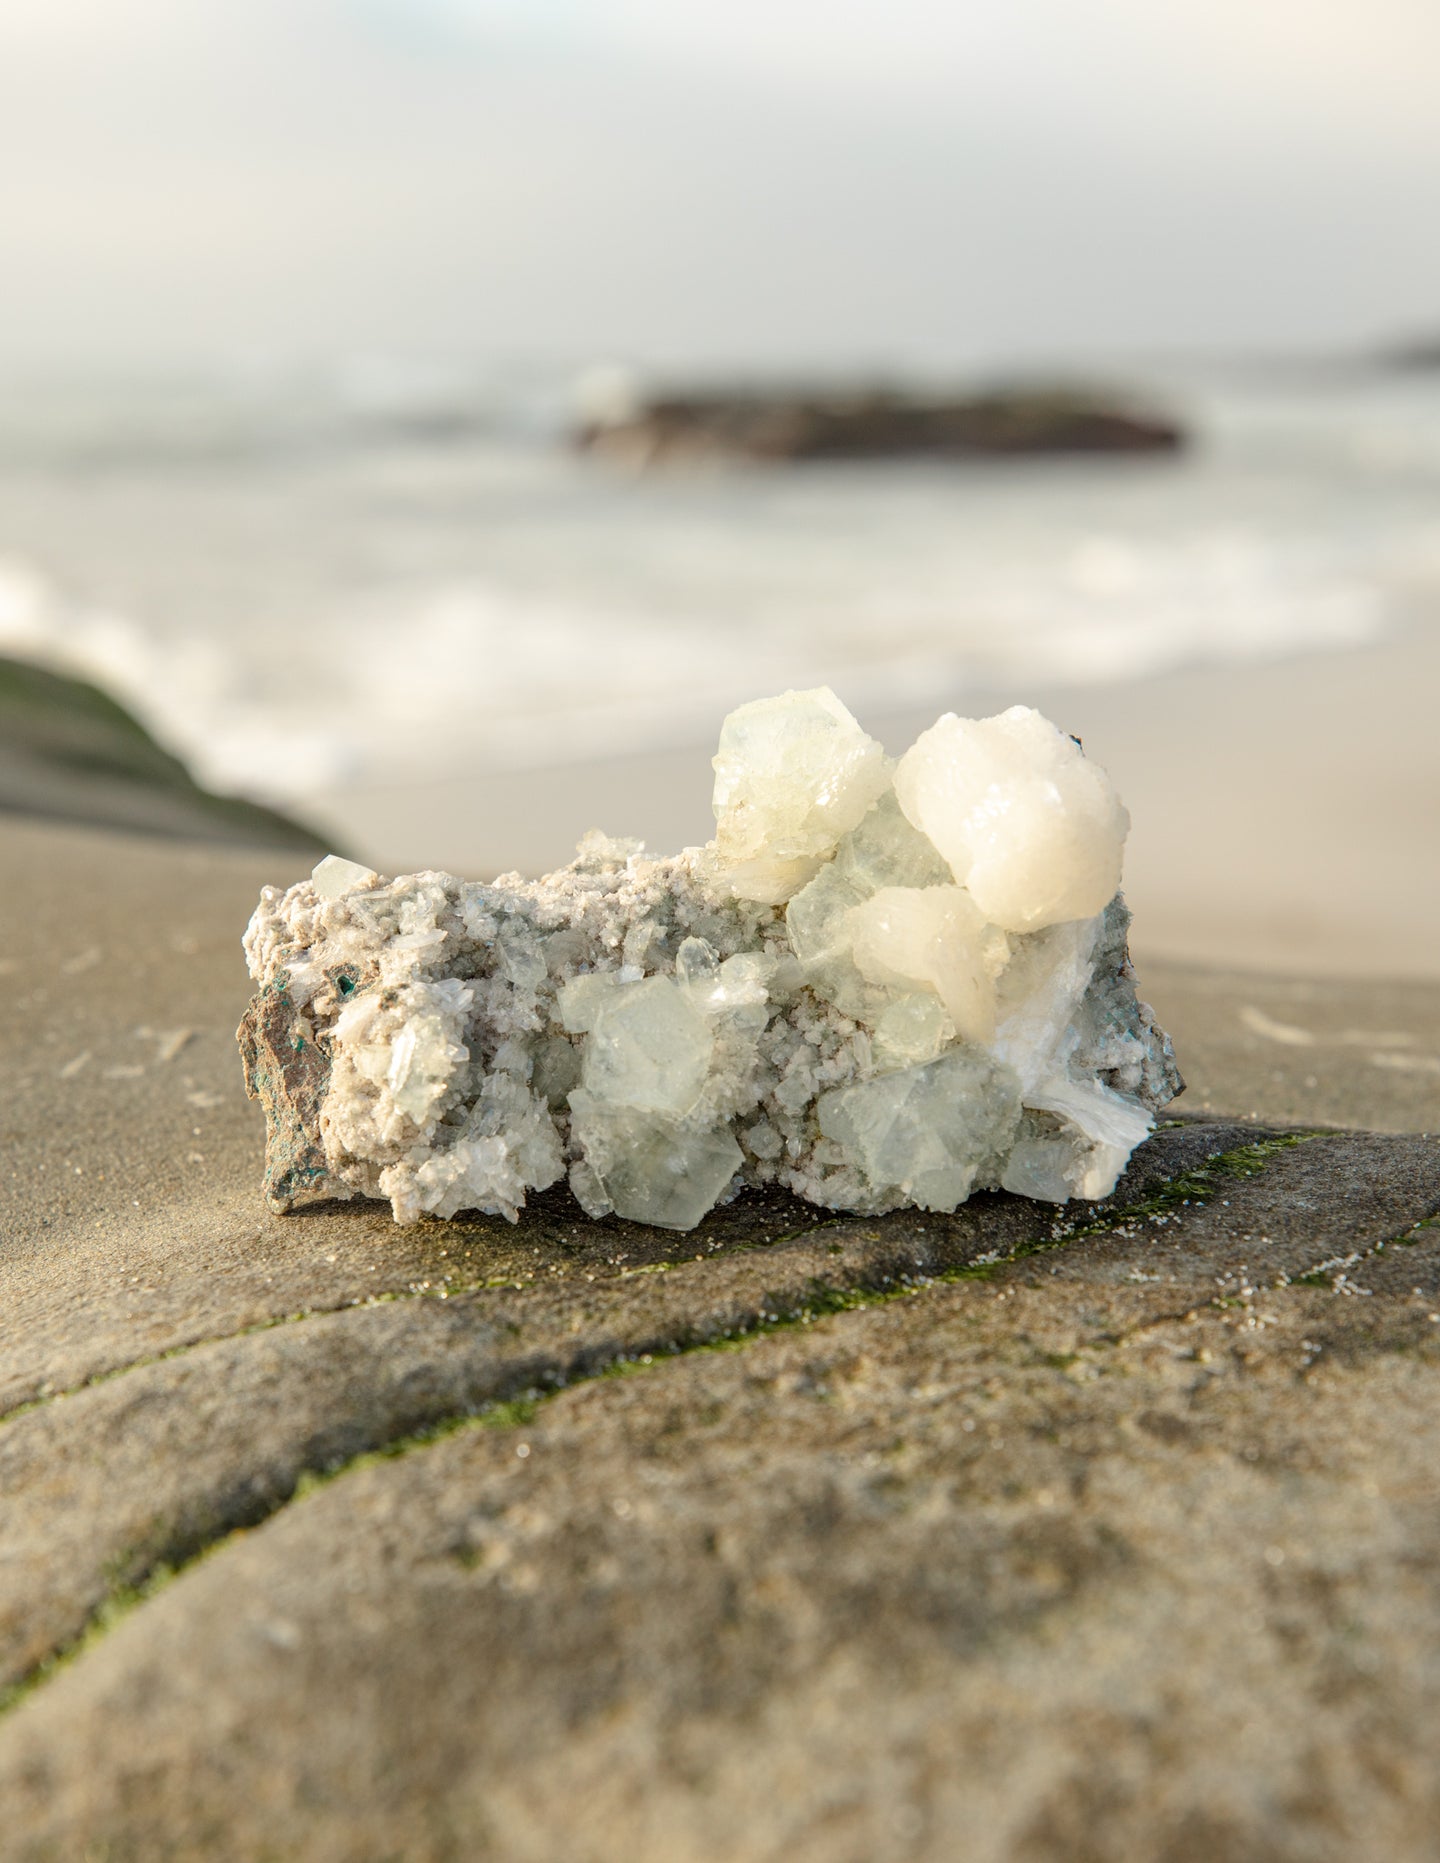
1025	820
422	1059
869	996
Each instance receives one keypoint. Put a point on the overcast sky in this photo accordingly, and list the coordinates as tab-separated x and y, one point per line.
665	180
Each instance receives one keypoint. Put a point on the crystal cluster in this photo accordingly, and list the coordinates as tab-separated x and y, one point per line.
883	983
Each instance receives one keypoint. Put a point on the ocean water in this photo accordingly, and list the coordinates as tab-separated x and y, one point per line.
371	575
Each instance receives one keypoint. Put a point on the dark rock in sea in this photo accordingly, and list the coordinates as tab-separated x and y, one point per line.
70	752
1420	353
877	424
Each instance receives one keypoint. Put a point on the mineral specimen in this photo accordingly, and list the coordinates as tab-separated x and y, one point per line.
881	984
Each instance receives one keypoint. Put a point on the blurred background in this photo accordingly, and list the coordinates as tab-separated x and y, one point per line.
304	305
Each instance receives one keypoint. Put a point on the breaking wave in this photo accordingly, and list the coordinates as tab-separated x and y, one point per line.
298	621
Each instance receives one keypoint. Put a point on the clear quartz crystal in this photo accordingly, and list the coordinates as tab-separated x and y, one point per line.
869	994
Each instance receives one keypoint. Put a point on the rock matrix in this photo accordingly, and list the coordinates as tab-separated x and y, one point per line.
882	984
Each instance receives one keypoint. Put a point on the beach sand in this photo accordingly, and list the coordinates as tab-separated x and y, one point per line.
1285	817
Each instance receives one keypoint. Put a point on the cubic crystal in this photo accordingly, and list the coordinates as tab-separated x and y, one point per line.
648	1048
923	1135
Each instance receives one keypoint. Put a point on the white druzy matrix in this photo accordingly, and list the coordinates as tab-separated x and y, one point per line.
880	985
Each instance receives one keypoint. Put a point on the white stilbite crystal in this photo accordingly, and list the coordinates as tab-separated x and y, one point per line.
1026	822
868	996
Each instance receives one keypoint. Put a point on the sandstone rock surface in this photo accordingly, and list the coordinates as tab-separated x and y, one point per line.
1012	1533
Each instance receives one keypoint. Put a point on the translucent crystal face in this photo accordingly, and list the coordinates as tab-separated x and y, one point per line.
792	775
883	849
926	1133
869	995
336	875
932	938
422	1059
649	1048
818	922
652	1169
1031	827
910	1029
